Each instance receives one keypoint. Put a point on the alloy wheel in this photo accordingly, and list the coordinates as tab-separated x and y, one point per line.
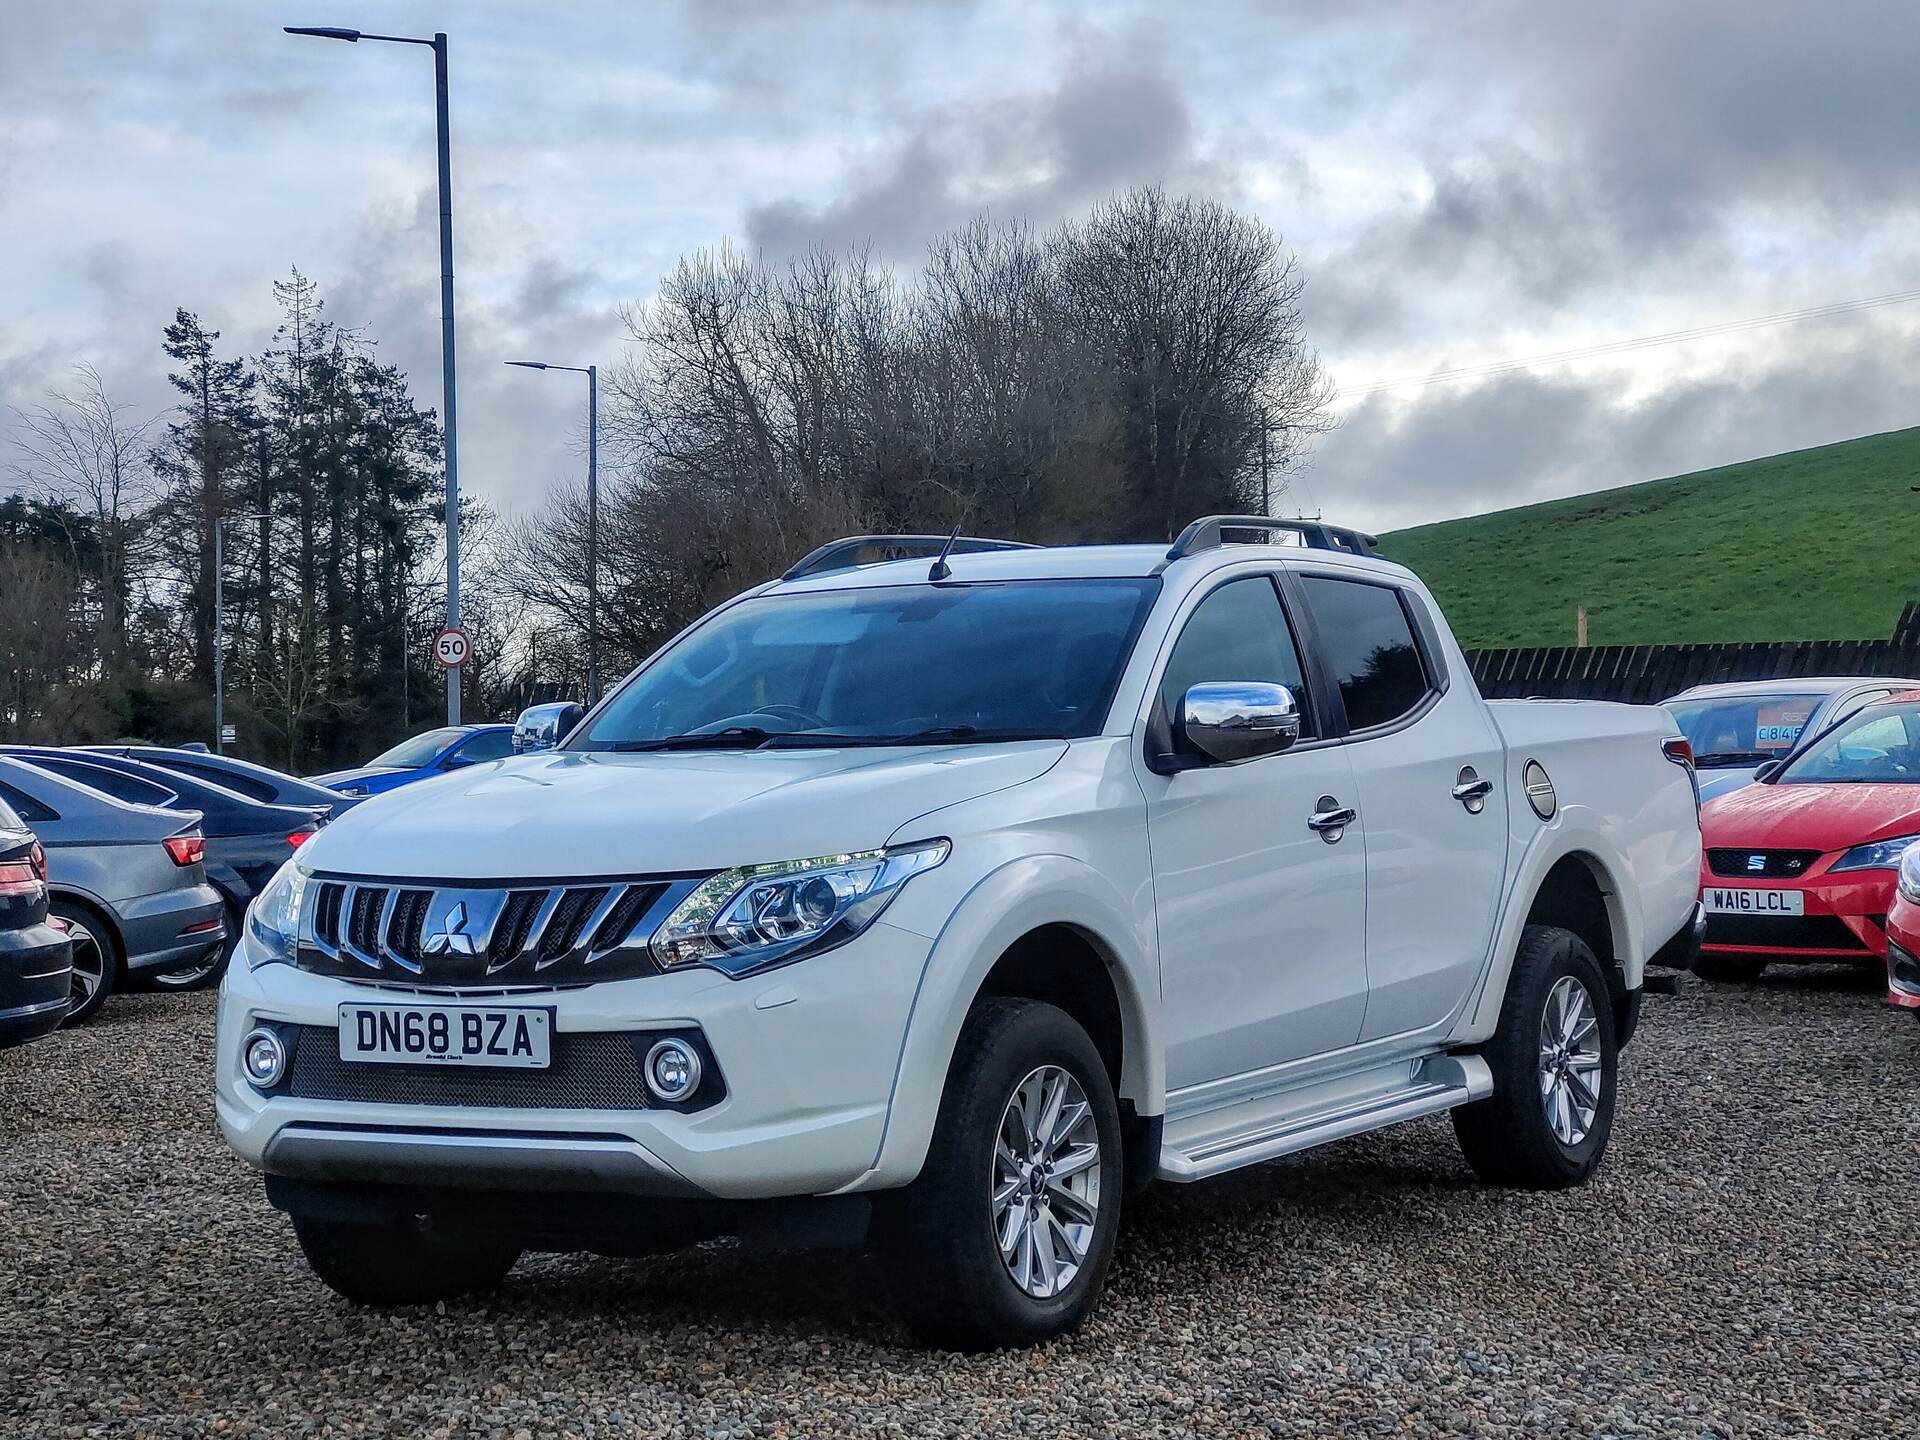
1046	1181
89	963
1571	1074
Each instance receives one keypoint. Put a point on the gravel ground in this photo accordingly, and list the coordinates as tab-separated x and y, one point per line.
1743	1265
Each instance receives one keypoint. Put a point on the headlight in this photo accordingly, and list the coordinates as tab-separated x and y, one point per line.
273	920
353	790
1880	855
759	915
1910	874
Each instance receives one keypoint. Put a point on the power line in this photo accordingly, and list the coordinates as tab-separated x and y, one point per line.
1643	342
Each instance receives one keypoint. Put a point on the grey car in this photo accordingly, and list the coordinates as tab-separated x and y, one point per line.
1738	726
127	881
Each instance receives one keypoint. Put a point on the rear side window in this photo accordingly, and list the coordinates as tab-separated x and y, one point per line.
130	788
26	807
1239	632
488	745
247	785
1368	639
8	819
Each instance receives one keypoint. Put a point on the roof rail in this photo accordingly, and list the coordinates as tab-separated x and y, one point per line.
847	554
1208	532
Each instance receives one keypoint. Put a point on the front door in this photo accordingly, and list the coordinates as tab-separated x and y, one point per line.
1261	916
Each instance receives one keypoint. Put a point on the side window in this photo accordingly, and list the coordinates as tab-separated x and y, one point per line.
26	807
1368	639
247	785
488	745
129	788
1239	632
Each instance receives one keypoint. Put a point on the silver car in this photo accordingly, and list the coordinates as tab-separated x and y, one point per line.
126	880
1738	726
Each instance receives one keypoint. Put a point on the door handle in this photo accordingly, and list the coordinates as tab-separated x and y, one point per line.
1472	791
1331	819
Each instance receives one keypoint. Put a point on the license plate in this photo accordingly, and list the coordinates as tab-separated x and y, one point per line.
447	1035
1755	902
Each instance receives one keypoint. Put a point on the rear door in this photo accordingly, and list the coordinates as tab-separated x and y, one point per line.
1261	918
1427	766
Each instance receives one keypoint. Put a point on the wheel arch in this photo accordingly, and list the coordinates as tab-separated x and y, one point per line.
1045	928
101	912
1574	877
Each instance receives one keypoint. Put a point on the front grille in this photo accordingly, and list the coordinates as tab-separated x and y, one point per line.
598	1071
416	933
1774	864
1791	932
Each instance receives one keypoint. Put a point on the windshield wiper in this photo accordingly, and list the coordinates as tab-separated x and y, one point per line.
734	737
935	735
1733	757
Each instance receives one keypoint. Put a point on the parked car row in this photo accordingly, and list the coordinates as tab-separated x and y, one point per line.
1810	826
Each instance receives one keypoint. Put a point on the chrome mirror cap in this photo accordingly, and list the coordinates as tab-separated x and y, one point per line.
1239	720
541	727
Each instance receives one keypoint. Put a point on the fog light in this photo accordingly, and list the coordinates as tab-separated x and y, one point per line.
264	1058
673	1071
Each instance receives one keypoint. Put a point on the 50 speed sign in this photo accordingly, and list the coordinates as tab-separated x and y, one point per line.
450	648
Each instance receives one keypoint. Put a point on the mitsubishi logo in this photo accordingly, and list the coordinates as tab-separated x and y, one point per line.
452	938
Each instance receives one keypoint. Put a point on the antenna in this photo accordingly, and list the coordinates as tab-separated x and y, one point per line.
940	570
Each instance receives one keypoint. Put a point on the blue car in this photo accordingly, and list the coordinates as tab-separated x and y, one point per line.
421	757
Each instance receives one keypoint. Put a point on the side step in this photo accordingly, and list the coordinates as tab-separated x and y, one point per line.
1266	1127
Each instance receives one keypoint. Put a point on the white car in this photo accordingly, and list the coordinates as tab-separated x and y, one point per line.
940	904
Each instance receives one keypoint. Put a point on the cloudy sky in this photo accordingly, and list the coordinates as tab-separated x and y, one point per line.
1465	184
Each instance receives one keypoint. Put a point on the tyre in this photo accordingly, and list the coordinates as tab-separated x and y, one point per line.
1005	1237
406	1263
1554	1062
96	956
207	973
1729	969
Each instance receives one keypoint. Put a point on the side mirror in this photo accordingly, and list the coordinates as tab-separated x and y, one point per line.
457	762
541	727
1764	775
1239	720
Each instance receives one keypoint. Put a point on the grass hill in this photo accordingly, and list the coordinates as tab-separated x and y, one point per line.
1819	544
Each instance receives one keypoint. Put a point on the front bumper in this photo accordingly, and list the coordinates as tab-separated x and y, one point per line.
809	1053
1845	919
1903	954
35	982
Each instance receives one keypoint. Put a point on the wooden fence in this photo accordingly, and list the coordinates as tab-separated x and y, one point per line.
1647	674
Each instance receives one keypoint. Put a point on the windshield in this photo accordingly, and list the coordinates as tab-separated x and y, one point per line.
417	751
1742	729
1880	745
1017	660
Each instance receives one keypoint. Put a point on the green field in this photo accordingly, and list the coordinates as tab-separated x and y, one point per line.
1819	544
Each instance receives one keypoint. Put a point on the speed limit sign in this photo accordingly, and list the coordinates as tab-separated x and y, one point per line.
450	648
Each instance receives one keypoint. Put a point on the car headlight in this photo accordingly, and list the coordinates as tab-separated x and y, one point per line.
1880	855
746	919
1910	874
273	920
354	790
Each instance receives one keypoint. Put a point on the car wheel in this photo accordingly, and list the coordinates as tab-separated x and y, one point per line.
1554	1063
1729	969
96	957
208	972
410	1262
1005	1237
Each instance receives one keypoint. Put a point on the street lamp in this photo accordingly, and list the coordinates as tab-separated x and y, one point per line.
438	44
592	372
220	628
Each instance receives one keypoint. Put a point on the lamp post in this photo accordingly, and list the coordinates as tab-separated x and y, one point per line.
592	372
220	628
438	44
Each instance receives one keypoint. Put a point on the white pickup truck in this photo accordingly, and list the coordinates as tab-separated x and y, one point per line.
937	902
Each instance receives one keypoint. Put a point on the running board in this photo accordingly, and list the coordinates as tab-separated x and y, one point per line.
1266	1127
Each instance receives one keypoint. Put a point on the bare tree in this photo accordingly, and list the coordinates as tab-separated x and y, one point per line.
82	448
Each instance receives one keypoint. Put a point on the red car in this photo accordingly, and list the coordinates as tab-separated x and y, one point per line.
1800	866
